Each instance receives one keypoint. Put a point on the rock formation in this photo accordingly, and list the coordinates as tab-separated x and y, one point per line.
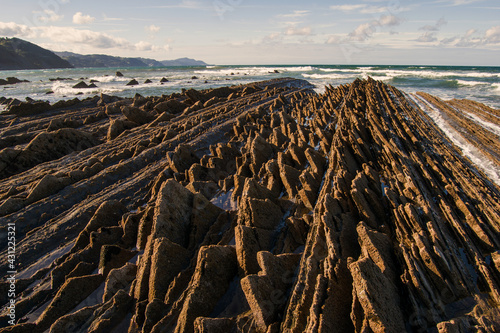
257	208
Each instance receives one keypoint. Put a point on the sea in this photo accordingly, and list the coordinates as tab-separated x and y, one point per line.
481	84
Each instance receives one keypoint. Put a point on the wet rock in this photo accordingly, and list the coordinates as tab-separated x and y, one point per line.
28	108
81	85
118	74
11	80
132	82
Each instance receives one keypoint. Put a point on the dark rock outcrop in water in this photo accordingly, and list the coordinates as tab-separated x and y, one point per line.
16	53
257	208
11	80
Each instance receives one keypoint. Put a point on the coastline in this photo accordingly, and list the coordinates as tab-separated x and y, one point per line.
447	82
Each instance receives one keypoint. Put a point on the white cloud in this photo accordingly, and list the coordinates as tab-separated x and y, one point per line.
470	32
347	8
106	18
333	39
11	29
145	46
79	36
193	4
366	30
363	31
296	14
71	37
79	18
427	37
389	21
148	47
294	31
493	35
472	38
436	26
449	41
374	10
48	16
152	28
271	38
430	34
458	2
366	9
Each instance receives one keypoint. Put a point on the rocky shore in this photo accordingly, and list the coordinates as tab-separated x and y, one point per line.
258	208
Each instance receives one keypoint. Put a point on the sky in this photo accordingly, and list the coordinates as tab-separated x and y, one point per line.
244	32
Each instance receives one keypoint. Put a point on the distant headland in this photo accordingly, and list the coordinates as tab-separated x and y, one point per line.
18	54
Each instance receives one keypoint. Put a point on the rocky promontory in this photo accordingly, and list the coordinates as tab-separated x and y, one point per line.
16	54
258	208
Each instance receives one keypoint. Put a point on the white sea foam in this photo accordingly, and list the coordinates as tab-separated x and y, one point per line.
324	76
478	158
104	78
255	70
494	128
430	74
471	83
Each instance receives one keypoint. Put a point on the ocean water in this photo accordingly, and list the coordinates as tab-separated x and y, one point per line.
481	84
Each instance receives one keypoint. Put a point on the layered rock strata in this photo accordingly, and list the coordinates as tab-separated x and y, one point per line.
257	208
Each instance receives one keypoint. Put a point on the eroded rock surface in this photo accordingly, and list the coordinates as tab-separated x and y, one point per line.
257	208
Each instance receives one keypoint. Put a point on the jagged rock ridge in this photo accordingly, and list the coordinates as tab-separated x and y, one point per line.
258	208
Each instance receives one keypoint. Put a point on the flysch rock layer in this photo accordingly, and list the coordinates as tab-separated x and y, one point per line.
257	208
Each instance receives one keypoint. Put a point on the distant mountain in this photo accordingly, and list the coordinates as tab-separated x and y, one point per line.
183	62
16	53
101	60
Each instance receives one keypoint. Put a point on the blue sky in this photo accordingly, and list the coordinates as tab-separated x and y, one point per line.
434	32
